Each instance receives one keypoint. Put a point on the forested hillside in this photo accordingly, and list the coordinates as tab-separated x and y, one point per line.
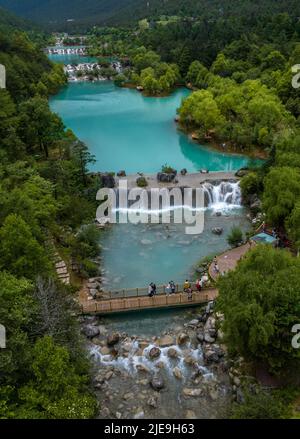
43	370
86	12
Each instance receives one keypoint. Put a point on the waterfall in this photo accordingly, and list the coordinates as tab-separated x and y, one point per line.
223	195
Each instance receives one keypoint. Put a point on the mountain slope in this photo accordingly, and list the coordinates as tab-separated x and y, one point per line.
57	12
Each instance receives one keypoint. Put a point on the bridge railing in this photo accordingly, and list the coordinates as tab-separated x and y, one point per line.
145	302
141	292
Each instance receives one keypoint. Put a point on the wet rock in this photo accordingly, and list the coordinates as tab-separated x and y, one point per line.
177	373
157	382
91	331
172	353
208	338
241	172
160	365
210	356
164	177
121	173
118	415
154	353
237	381
166	341
108	180
183	338
139	414
105	350
109	375
142	368
200	336
190	360
193	323
190	414
152	402
146	242
213	354
113	339
213	394
183	171
217	231
192	392
128	396
105	412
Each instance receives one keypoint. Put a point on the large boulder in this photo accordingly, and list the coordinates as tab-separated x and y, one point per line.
166	341
108	180
154	353
121	174
91	331
177	373
164	177
217	231
192	392
173	353
157	382
182	338
113	339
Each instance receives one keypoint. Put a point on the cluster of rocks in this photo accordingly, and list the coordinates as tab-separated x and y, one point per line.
107	180
167	177
94	287
124	395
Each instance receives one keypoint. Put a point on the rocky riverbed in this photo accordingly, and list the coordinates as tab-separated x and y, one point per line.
181	373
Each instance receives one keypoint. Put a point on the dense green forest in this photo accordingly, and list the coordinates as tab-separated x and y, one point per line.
237	14
44	372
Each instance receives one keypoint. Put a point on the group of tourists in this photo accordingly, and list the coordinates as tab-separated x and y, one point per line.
170	288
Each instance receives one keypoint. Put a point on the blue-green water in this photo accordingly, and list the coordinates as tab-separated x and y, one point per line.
135	255
125	130
71	58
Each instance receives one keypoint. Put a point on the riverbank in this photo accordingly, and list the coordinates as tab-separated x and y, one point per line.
225	147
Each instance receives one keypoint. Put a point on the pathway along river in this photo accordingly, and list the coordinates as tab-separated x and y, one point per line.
125	130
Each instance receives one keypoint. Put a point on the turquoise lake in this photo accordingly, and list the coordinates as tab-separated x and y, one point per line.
125	130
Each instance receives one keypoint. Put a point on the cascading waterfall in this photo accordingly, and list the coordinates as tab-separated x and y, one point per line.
225	195
219	196
133	359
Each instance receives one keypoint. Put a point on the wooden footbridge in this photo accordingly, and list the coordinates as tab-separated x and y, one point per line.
124	301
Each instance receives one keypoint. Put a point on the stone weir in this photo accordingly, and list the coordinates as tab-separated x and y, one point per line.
192	180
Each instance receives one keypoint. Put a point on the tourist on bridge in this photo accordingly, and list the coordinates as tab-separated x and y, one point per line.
168	289
198	285
150	290
173	288
186	286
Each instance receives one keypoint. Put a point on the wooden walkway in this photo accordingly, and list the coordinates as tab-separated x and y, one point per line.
118	305
228	261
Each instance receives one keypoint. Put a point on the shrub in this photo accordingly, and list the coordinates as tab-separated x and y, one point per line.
166	169
235	237
142	182
260	406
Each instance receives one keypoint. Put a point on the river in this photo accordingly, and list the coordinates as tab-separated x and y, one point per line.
127	131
